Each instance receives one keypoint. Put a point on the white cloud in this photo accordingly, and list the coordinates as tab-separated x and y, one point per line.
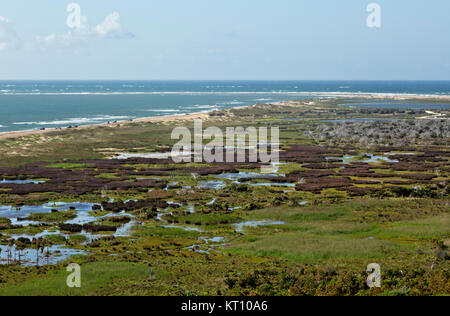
110	28
9	39
109	25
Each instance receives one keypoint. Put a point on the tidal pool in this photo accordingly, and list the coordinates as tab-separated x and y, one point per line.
211	244
240	227
21	181
213	239
235	177
147	155
55	253
186	228
188	208
13	212
244	175
371	158
32	257
215	185
170	185
270	184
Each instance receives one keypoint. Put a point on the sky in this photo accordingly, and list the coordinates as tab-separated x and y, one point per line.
224	40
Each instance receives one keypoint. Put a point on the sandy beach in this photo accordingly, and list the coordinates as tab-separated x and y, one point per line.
159	119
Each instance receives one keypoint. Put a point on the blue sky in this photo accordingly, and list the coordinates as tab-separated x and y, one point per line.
225	39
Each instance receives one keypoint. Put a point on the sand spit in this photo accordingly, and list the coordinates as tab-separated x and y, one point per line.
159	119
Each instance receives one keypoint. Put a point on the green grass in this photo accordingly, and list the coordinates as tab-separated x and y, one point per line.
56	239
52	217
5	221
436	227
69	165
108	176
77	239
306	213
294	246
98	278
210	219
320	233
156	231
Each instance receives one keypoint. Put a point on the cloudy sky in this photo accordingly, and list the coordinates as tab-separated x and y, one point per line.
224	39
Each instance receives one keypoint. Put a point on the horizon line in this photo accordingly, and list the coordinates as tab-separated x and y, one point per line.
262	80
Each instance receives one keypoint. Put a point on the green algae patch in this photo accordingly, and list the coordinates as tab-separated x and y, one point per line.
202	219
55	239
77	239
5	223
171	232
98	213
52	217
70	165
114	221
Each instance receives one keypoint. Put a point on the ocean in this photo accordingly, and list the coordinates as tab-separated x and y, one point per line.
29	105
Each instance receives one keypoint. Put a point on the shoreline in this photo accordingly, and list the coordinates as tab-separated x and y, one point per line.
205	114
286	93
154	119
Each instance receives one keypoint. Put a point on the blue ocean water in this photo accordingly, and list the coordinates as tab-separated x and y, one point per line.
27	105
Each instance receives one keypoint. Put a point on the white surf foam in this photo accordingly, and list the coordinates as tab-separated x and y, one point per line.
195	107
163	111
288	93
82	120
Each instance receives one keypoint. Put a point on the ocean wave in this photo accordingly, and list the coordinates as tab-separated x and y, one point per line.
231	103
167	114
197	93
198	106
81	120
162	111
209	110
